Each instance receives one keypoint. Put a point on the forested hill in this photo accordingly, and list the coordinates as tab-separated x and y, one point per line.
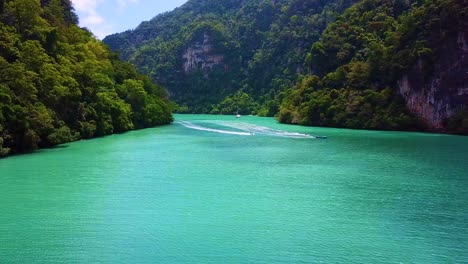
375	64
388	65
207	50
59	84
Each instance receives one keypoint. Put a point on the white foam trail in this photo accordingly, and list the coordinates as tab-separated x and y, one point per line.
201	128
265	130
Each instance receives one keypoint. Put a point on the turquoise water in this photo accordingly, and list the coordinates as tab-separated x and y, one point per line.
215	189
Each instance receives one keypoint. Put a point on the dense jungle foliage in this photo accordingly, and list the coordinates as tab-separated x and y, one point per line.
359	58
59	84
264	44
310	62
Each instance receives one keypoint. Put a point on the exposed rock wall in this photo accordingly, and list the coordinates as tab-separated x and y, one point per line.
437	98
200	56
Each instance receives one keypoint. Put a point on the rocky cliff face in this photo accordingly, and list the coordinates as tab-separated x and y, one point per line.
439	97
200	55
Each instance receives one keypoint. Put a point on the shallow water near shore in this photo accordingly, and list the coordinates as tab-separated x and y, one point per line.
220	189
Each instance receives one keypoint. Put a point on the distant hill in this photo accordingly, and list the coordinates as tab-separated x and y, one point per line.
59	84
209	49
374	64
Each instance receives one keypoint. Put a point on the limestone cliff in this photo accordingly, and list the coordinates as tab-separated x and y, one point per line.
445	92
200	55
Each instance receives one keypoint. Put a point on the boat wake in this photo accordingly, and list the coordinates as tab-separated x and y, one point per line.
246	129
251	128
221	131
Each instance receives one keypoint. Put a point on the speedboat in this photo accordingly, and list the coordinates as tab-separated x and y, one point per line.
238	116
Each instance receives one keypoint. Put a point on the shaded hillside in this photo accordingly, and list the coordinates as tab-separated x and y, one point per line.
374	64
207	50
387	65
59	84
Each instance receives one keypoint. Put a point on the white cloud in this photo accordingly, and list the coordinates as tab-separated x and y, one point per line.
86	5
93	19
90	17
88	9
123	3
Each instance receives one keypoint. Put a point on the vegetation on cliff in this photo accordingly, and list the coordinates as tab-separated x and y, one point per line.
261	46
59	84
310	62
356	64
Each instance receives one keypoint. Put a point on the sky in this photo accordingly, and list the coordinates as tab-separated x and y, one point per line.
105	17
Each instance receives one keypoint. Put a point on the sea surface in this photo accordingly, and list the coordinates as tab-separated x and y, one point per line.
216	189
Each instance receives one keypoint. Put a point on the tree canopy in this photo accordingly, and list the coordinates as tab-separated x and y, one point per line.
305	61
58	83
